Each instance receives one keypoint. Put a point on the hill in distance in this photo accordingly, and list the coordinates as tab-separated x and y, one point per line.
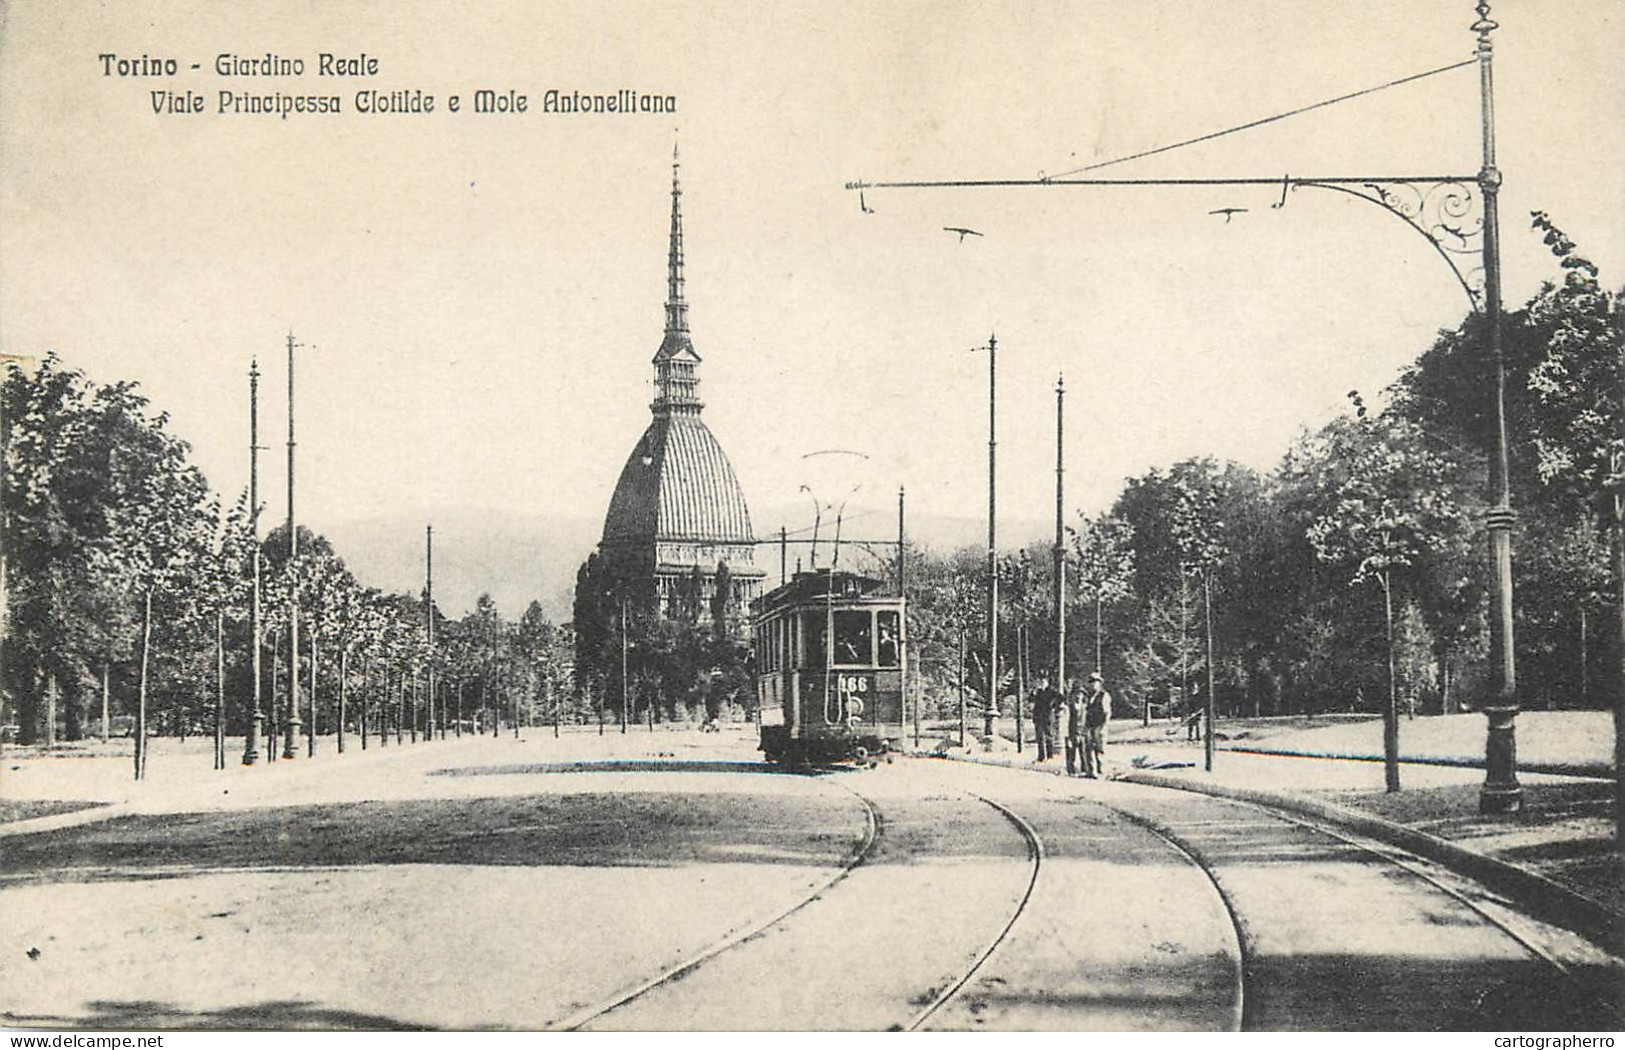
518	557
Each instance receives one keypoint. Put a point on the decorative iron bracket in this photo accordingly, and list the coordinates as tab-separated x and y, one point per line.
1448	213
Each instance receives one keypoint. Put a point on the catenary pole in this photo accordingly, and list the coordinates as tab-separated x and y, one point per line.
902	592
1060	534
256	718
1207	619
290	743
992	538
625	690
220	688
962	686
428	616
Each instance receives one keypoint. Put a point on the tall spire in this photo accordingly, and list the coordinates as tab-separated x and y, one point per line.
676	305
677	384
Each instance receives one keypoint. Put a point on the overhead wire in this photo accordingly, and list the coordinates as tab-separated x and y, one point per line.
1261	122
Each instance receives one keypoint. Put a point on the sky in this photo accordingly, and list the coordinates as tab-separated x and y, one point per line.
481	293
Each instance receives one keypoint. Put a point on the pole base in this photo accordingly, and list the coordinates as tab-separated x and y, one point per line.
1501	792
251	746
1495	801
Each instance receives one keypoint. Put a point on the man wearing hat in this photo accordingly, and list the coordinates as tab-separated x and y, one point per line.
1046	706
1097	712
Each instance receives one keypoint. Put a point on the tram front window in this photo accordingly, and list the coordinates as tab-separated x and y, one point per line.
887	649
853	629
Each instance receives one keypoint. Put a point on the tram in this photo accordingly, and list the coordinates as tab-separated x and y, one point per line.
829	704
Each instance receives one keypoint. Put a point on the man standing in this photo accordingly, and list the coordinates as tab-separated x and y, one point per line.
1045	702
1097	712
1076	756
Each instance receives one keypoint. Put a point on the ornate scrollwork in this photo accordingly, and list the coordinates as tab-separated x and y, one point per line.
1449	214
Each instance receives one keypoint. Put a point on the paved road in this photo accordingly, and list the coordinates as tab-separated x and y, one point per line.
476	886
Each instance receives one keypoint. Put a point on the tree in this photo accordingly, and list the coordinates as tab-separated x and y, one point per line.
1387	508
370	633
218	590
56	512
160	534
1103	552
534	638
1579	412
1177	530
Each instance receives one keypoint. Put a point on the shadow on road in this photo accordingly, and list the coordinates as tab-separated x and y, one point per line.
589	829
631	765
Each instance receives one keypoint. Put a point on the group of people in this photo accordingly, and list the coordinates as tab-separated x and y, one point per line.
1085	713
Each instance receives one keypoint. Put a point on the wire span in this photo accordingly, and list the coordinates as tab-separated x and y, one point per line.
1266	120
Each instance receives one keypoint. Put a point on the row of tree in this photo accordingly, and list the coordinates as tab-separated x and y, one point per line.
129	586
1354	573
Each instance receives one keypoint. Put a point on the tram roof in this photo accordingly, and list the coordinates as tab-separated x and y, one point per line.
819	586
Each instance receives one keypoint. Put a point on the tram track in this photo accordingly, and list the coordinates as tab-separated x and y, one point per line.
1035	855
873	831
872	843
1039	901
1244	1008
1413	866
1250	999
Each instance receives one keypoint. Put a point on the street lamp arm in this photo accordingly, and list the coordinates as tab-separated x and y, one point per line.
1429	215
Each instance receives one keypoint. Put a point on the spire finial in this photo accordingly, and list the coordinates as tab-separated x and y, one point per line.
676	305
676	383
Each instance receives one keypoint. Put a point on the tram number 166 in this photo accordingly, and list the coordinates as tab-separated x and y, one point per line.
853	687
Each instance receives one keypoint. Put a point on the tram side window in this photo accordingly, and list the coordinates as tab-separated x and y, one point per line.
812	628
888	647
853	635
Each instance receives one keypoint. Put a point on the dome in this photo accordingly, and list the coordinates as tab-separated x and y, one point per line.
677	485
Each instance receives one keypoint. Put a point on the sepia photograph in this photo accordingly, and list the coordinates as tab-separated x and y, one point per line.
952	515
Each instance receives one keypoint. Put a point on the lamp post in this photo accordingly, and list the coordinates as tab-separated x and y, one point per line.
1501	792
256	718
1439	208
